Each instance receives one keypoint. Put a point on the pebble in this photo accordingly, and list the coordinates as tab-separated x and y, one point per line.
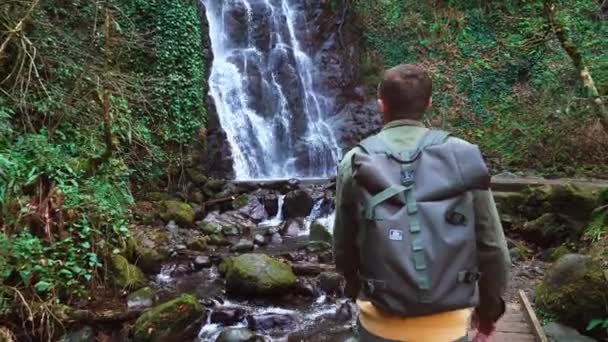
202	261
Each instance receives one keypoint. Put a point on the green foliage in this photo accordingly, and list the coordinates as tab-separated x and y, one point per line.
60	213
501	79
598	323
598	226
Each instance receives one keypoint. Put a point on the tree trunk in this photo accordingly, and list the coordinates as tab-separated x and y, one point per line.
577	59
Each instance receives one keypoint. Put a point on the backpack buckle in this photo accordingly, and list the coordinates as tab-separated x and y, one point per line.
407	178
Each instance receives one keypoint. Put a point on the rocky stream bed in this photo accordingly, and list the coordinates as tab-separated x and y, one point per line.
254	263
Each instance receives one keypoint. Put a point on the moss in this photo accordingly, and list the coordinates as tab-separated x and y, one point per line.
319	233
258	274
199	245
574	290
158	196
150	259
558	252
126	275
240	201
180	212
210	229
214	185
142	297
218	240
168	320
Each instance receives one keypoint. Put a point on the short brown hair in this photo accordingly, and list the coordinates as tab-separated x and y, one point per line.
406	90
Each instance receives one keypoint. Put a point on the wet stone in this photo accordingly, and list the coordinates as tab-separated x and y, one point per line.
230	231
202	261
271	321
276	239
259	240
242	246
238	335
330	282
227	316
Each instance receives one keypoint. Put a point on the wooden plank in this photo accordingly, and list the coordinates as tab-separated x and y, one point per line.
514	327
512	337
529	311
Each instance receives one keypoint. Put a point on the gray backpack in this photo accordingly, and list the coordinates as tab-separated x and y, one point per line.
417	238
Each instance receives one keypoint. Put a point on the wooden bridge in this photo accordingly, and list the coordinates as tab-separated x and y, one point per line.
519	324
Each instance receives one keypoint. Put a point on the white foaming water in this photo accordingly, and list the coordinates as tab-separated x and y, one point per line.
278	218
263	85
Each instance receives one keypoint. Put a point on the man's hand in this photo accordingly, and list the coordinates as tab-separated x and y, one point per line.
482	326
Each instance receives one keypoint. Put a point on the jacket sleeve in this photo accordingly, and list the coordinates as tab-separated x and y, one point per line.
346	253
494	260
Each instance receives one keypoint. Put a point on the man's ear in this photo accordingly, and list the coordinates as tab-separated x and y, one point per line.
430	103
381	107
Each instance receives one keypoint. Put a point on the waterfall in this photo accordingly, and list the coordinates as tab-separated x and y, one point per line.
263	84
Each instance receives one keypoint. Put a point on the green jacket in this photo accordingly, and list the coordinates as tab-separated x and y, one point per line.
494	261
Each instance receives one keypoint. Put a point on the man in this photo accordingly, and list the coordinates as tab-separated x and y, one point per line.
404	96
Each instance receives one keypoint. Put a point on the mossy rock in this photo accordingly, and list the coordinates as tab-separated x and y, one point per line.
559	199
214	185
318	232
218	240
558	252
168	321
150	259
550	230
143	297
126	275
574	290
158	196
199	245
210	228
180	212
196	176
258	274
509	203
241	201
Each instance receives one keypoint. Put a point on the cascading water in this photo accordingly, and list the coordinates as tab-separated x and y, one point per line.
263	85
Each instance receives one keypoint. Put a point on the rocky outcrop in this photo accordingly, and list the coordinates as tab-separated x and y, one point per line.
257	274
572	288
298	203
318	232
170	321
180	212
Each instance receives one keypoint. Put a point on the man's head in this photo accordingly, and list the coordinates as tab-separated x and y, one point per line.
405	92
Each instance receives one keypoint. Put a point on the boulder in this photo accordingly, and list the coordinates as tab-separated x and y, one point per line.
227	316
149	260
331	282
238	335
230	231
276	239
271	321
259	240
271	203
228	220
180	212
257	274
298	203
217	240
571	289
318	232
550	230
209	228
242	246
250	207
170	321
84	334
560	333
126	275
142	298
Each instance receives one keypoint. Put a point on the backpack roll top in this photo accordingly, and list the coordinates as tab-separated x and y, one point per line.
417	240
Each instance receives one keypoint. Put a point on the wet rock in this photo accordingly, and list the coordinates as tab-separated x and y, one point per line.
230	231
180	212
273	230
141	299
331	282
227	316
271	203
271	321
169	321
172	227
298	203
202	261
293	227
199	245
126	275
242	246
217	240
238	335
257	274
345	312
251	207
305	287
317	246
259	240
355	122
571	288
318	232
229	220
560	333
84	334
276	239
550	230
